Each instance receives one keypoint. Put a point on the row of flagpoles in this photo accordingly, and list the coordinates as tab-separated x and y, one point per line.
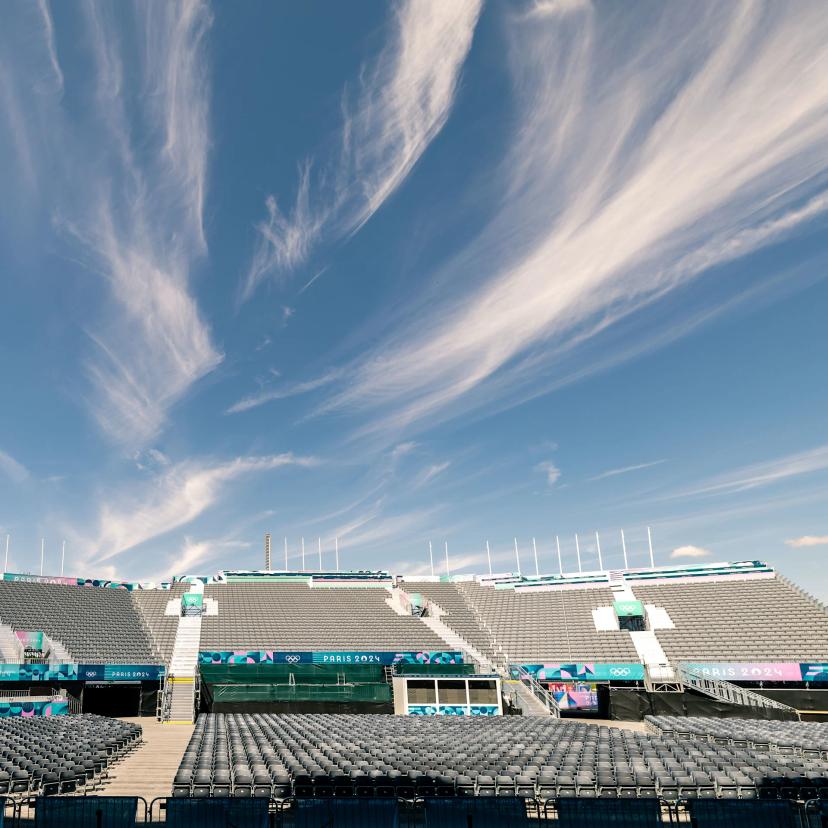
558	548
42	554
319	553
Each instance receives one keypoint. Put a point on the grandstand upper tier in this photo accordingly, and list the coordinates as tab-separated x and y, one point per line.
710	614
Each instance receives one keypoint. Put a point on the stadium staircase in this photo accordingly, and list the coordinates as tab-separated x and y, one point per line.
10	649
180	692
527	693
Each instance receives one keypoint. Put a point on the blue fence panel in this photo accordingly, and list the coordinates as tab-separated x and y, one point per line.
723	813
482	812
345	813
218	812
85	811
629	813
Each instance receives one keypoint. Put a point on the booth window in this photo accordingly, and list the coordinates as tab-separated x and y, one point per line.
482	692
452	692
421	692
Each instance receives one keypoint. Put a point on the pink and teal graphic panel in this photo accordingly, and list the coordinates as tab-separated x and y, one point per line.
32	709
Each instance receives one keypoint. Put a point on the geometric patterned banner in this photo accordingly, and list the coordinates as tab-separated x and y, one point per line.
324	657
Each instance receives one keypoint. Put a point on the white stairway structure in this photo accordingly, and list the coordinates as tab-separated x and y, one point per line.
457	642
183	671
10	650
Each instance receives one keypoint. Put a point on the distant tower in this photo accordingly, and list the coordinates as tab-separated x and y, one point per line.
267	551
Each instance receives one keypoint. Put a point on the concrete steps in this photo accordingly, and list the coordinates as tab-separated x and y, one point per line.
150	769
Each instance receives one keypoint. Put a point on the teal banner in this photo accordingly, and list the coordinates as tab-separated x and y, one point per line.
332	657
609	671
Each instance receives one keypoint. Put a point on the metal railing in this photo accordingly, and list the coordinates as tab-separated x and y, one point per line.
728	692
537	690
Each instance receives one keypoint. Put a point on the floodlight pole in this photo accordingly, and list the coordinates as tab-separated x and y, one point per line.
431	558
535	549
489	558
560	562
598	545
650	542
517	558
578	552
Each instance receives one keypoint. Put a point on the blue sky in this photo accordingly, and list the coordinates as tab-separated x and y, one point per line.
415	271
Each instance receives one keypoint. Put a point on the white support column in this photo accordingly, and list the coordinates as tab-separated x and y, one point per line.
598	546
535	550
578	552
624	547
650	542
517	559
560	561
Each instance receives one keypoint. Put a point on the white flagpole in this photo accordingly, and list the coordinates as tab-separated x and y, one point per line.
489	557
560	562
448	571
578	551
303	554
624	547
431	558
650	542
517	558
336	546
42	553
6	565
319	547
62	557
535	549
598	544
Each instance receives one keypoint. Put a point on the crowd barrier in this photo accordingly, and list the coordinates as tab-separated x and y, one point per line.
471	812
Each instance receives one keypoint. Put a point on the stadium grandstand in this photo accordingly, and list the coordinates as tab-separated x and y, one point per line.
655	694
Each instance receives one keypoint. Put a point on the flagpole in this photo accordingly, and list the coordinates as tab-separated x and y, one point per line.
560	562
517	558
431	558
336	546
448	571
62	557
624	547
489	557
319	546
286	555
303	554
6	564
650	542
598	545
42	553
578	552
535	548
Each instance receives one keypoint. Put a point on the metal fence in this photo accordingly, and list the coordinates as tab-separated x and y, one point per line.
458	812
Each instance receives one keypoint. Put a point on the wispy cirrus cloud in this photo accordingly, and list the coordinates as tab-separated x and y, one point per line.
624	470
807	541
765	473
403	100
127	177
638	162
171	500
13	469
282	392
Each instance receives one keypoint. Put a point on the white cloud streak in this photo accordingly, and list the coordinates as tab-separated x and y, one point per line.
281	393
174	499
640	159
13	469
624	470
552	472
764	474
403	101
49	34
808	540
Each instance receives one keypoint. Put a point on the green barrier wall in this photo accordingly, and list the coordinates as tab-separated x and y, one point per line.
224	693
434	669
268	673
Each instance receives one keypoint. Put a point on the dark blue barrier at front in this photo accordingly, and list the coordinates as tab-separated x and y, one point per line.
757	813
85	811
630	813
218	812
479	812
345	813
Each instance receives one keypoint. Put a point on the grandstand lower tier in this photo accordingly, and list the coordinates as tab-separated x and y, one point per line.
321	756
